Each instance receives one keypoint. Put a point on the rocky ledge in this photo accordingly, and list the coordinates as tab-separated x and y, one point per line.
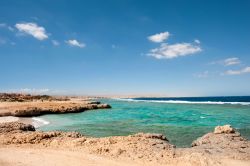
211	149
28	109
40	105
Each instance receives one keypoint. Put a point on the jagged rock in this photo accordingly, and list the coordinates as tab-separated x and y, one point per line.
224	129
207	150
27	112
103	106
15	126
151	135
28	109
226	141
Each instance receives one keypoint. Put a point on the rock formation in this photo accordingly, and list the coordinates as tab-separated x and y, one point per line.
17	97
31	107
210	149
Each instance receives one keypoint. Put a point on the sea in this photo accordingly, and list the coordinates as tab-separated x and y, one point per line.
181	120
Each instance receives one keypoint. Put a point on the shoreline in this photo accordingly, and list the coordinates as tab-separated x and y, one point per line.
18	135
223	146
35	121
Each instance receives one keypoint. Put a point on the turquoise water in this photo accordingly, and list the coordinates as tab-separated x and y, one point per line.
181	123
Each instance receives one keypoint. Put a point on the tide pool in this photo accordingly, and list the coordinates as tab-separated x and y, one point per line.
181	123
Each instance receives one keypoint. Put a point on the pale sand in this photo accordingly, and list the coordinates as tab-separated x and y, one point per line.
8	119
14	156
20	156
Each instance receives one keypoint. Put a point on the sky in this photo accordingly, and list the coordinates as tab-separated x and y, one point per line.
125	47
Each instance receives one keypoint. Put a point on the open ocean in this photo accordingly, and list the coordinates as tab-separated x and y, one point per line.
182	120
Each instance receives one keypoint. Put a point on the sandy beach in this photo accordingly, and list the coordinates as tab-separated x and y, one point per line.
56	157
43	156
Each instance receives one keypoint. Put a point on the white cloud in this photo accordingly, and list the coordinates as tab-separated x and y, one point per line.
238	72
167	51
160	37
231	61
75	43
55	42
32	29
228	61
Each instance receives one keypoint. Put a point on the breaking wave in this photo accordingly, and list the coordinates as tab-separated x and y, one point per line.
38	122
182	101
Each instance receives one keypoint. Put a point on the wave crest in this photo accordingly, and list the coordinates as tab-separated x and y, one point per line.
183	101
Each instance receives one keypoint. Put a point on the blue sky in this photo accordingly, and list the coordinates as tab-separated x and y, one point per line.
124	47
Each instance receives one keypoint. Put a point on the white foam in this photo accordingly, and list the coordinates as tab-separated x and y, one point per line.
183	102
8	119
38	122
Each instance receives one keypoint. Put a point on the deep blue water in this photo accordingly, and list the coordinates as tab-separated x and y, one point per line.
182	120
205	99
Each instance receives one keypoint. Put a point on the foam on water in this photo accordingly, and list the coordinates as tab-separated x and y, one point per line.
38	122
183	101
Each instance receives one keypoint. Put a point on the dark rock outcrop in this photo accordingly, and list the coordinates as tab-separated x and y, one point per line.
15	126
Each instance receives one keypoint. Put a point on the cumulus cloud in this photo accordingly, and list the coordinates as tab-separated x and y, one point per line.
170	51
55	42
159	37
32	29
238	72
75	43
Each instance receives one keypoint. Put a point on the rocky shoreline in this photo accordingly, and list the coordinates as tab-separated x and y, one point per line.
28	106
224	144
